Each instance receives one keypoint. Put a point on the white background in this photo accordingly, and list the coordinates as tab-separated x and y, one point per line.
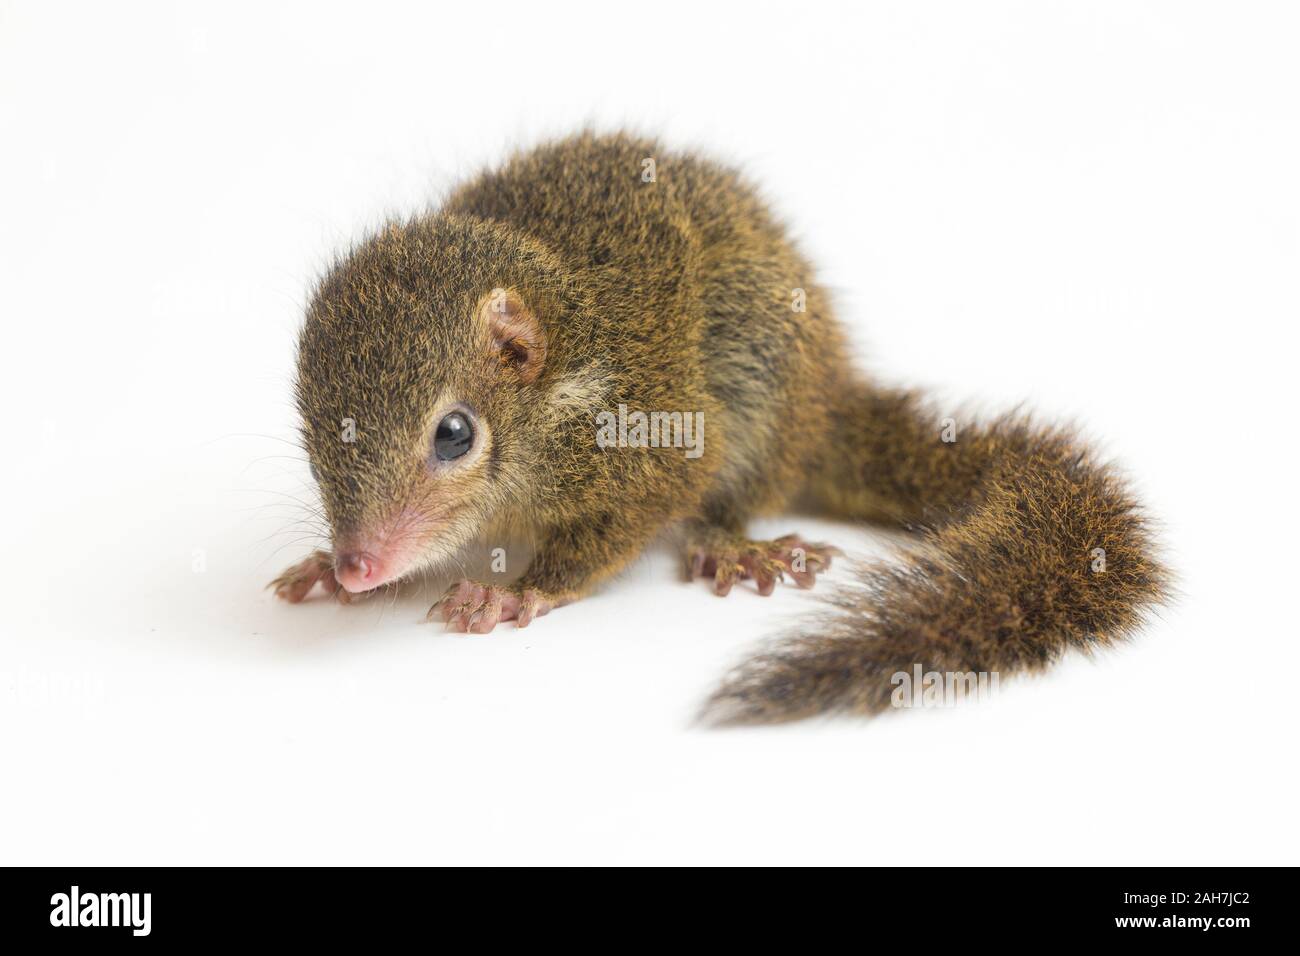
1091	207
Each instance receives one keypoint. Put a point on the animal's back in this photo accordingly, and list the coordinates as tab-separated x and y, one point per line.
693	239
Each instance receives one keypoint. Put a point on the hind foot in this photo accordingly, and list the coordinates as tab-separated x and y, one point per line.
729	558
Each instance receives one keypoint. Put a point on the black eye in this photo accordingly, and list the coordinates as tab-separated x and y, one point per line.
453	437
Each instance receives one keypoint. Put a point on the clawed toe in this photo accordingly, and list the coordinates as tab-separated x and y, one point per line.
766	562
297	582
472	608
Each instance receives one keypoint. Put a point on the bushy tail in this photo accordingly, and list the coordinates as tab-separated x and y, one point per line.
1028	547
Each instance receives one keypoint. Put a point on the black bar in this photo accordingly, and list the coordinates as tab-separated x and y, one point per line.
895	906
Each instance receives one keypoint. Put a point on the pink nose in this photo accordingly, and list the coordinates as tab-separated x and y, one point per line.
357	571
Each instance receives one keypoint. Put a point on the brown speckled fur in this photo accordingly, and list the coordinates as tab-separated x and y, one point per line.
676	295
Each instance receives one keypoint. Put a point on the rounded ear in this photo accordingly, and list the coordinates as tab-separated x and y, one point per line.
516	334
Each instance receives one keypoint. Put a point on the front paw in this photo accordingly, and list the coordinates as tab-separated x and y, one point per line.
470	607
298	581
